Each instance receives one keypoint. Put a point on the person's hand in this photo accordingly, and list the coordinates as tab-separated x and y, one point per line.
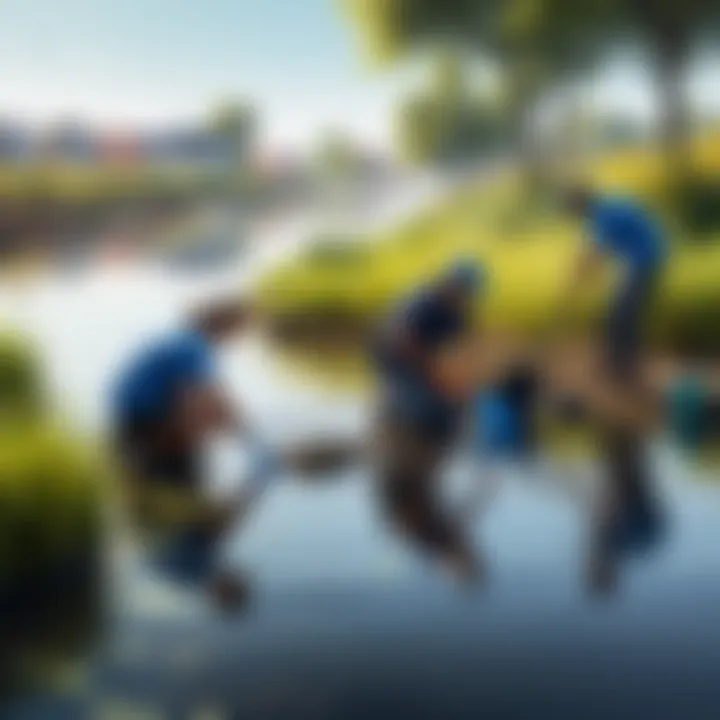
454	374
226	515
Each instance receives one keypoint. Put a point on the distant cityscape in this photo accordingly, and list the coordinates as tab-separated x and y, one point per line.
76	142
80	142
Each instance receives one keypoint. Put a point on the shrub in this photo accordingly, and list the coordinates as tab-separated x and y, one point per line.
50	503
699	205
22	390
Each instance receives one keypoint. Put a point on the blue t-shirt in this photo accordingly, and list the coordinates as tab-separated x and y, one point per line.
628	232
149	386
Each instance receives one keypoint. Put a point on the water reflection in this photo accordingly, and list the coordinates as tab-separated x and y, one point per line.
346	620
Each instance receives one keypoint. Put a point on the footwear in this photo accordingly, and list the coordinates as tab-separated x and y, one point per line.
636	530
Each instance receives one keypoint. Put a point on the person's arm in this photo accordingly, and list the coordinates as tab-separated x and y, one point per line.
586	268
629	411
608	402
589	264
203	405
448	369
202	408
477	362
406	343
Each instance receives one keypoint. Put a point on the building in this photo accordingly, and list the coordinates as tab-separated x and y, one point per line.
69	141
16	142
187	146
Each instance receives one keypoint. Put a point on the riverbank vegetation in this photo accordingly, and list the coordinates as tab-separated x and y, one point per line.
526	246
51	516
44	207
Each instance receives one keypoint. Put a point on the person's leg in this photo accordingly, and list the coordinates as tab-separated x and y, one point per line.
408	465
628	518
156	484
166	478
627	325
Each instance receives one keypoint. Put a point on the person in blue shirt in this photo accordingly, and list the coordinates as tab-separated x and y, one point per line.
420	418
621	230
408	343
167	402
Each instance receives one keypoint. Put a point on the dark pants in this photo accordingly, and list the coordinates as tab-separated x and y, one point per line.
146	458
408	460
637	523
626	323
187	558
413	434
184	555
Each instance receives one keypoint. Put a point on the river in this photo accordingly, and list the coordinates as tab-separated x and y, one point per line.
346	622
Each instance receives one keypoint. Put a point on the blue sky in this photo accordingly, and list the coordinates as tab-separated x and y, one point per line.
151	61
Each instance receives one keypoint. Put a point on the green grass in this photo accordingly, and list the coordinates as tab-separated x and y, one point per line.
527	250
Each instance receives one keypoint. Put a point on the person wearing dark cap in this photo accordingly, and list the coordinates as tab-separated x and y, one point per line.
420	417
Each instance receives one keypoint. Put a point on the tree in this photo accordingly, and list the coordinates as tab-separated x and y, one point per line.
337	157
449	120
417	129
537	41
669	29
543	44
393	28
234	124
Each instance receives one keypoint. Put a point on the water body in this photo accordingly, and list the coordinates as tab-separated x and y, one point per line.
346	622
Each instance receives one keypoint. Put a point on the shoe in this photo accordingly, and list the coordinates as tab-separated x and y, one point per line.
637	530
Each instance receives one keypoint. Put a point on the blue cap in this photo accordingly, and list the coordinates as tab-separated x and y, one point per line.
466	274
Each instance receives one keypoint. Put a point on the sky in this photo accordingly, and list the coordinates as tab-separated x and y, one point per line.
153	61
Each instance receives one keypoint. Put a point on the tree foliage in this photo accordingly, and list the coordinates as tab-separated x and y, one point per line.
449	120
537	42
337	156
393	28
670	30
235	123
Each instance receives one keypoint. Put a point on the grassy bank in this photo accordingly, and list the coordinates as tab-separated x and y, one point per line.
527	248
51	513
